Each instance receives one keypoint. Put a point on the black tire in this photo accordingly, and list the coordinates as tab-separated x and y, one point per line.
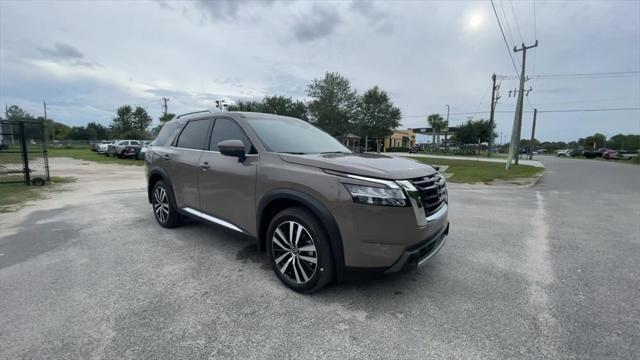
302	276
168	216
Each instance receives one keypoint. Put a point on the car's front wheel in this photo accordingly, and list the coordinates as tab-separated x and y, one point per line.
299	251
164	207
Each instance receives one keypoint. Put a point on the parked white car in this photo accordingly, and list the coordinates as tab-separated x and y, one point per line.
104	146
563	153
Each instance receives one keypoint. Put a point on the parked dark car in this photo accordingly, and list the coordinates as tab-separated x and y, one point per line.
611	155
414	149
591	154
576	152
131	151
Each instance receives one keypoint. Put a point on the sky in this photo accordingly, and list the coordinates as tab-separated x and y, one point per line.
86	58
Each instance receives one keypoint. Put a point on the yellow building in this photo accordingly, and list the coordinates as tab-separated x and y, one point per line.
400	138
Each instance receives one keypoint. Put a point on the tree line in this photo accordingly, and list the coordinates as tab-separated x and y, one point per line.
129	122
336	108
333	106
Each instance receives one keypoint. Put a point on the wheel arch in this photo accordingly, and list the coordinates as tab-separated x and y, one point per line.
278	200
155	175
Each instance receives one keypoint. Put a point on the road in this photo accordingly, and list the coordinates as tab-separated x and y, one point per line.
548	271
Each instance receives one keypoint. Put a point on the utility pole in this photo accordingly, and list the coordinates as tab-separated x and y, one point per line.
533	133
165	105
514	147
494	100
446	132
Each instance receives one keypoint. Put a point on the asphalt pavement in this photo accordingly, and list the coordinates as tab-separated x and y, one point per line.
546	271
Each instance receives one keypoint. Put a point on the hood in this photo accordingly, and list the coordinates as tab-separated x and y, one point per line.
373	165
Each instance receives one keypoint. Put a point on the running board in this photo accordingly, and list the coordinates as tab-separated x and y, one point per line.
213	219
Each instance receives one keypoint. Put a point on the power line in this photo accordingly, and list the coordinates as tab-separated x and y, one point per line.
589	101
516	20
540	111
535	21
484	96
535	35
504	38
506	21
613	74
589	110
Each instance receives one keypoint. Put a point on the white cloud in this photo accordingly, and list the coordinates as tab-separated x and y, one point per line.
86	58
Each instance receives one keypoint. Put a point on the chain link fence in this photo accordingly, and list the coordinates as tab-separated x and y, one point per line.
23	152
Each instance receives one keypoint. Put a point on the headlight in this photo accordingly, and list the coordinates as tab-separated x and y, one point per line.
376	195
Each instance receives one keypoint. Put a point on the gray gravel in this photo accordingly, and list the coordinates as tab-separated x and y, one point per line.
549	271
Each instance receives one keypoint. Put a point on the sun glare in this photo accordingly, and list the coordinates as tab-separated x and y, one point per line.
475	21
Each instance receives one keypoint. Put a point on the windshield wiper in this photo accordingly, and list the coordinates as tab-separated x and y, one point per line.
334	152
292	153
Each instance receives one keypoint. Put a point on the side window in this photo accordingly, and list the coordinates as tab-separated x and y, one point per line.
134	143
226	129
194	135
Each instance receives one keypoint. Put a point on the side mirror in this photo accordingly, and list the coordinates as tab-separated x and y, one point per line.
232	148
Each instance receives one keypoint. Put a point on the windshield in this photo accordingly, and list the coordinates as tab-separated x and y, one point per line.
288	135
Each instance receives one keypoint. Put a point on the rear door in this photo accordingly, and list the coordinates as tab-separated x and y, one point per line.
227	186
182	161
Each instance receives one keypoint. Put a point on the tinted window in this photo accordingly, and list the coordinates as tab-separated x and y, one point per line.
194	135
289	135
167	134
226	129
134	143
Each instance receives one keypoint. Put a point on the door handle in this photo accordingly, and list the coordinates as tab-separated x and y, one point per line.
166	156
205	165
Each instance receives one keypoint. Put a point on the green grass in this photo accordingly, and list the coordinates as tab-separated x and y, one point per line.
86	154
482	154
470	171
12	196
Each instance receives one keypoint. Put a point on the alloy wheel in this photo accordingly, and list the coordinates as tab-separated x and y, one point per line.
161	204
294	252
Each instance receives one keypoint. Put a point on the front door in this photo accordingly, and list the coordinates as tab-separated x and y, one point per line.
227	186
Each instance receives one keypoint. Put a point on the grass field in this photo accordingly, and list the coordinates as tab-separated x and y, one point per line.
86	154
470	171
12	196
482	154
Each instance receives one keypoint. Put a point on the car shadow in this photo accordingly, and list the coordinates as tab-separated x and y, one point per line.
362	286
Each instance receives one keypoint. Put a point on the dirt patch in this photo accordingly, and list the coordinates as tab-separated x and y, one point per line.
90	179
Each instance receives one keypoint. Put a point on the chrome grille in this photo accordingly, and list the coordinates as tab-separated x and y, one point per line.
433	192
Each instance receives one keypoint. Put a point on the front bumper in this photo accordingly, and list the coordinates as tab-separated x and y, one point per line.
418	254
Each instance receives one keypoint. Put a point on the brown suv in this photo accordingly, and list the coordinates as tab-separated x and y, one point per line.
320	211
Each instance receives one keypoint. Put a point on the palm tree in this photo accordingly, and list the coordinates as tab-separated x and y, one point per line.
437	124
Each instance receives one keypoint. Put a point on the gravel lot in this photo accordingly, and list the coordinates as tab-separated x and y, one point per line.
548	271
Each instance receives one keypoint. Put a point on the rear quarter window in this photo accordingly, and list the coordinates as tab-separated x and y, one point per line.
166	134
194	134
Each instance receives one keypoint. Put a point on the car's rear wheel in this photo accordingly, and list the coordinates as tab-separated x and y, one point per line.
299	250
164	208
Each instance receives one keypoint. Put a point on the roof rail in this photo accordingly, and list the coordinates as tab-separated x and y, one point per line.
194	112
